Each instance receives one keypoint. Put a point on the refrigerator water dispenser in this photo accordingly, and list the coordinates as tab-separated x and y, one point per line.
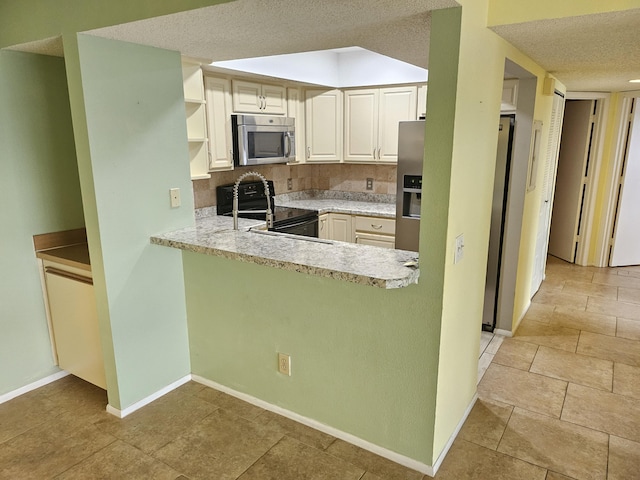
411	196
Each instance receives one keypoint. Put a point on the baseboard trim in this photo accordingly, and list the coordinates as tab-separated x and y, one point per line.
147	400
453	436
347	437
504	333
32	386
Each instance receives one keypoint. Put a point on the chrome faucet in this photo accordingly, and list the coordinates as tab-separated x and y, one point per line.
268	211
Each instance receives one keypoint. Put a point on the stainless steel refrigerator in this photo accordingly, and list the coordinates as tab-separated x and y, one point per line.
409	184
498	214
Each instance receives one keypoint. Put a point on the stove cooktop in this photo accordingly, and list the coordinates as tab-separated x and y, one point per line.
281	215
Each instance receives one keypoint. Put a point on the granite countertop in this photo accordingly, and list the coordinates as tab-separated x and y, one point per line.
336	205
363	264
73	256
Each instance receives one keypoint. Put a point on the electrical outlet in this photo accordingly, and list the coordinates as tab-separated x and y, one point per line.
289	184
174	195
284	364
459	249
369	183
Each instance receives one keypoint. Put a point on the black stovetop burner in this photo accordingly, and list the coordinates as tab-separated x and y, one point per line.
251	196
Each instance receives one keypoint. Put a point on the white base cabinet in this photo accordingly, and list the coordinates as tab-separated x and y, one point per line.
361	229
74	319
379	232
340	227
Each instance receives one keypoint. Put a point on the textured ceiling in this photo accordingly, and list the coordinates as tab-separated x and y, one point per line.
599	52
253	28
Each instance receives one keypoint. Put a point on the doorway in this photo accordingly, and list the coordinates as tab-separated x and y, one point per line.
572	180
625	249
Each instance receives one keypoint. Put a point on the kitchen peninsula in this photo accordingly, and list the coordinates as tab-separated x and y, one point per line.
380	267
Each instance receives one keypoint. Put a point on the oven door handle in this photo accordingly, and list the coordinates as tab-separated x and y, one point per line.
292	225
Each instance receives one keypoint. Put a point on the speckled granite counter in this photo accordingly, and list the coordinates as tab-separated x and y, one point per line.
352	207
214	235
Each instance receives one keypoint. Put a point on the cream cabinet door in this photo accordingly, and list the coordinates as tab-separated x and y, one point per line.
397	104
251	97
295	110
384	241
340	227
247	97
274	98
361	125
74	318
323	226
218	97
323	125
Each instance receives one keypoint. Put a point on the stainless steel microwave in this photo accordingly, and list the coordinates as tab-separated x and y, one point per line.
262	139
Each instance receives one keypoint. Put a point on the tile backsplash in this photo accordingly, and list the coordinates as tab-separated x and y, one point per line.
339	177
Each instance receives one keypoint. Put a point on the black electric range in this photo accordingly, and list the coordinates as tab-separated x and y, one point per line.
251	196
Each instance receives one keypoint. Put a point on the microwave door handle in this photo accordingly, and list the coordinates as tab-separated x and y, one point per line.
287	135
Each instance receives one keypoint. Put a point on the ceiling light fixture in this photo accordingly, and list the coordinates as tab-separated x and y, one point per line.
636	80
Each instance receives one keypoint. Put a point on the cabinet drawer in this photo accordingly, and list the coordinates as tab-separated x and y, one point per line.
382	226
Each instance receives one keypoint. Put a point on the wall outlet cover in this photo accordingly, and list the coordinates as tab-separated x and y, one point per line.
174	195
284	364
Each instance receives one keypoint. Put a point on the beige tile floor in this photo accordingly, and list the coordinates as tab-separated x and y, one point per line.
559	401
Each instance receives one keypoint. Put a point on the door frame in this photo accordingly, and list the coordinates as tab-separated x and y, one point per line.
610	200
595	167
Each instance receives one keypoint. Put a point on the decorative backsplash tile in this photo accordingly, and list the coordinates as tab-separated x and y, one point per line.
304	177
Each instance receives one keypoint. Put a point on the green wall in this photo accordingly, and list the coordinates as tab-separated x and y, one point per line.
130	131
41	193
363	358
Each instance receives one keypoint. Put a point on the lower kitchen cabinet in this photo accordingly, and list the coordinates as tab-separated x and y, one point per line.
379	232
361	229
340	227
74	321
323	227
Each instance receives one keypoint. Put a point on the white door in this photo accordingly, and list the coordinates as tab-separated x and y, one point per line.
548	185
571	179
626	242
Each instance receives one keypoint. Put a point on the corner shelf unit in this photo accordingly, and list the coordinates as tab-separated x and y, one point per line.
194	103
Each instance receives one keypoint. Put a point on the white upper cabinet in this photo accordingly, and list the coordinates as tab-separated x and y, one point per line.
218	98
295	110
361	125
396	105
251	97
323	125
371	122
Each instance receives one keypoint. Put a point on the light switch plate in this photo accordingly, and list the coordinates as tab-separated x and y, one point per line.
459	249
174	195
